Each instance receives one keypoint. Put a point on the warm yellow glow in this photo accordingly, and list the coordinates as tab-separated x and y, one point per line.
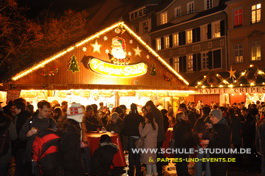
260	72
251	65
123	71
224	81
221	86
243	73
241	84
252	84
204	76
230	85
263	83
52	58
203	87
199	83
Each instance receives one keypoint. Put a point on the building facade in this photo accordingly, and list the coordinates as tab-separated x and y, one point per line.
191	36
246	29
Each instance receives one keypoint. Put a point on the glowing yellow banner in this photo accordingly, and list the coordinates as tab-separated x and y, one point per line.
124	71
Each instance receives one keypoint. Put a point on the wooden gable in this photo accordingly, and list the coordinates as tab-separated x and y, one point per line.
114	50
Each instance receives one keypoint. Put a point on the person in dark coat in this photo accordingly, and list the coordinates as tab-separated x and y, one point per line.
248	129
260	143
5	159
192	116
150	106
116	124
70	148
19	146
183	139
166	120
236	128
39	121
102	158
130	129
90	121
220	138
202	133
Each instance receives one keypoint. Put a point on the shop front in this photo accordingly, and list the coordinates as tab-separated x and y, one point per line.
114	66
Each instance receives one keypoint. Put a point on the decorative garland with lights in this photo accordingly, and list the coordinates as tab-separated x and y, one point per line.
249	77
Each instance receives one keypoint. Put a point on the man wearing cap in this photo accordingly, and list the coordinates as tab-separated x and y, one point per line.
220	139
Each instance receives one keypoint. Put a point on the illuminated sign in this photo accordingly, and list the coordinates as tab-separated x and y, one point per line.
124	71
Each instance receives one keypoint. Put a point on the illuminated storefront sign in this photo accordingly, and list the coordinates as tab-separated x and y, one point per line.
232	90
124	71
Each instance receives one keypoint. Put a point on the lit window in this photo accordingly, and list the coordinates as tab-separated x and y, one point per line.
204	60
158	44
208	4
177	11
256	51
238	51
166	39
204	30
190	7
163	18
256	13
175	39
176	63
189	36
189	63
238	17
216	29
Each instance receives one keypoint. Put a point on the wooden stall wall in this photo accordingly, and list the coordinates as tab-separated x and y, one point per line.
57	74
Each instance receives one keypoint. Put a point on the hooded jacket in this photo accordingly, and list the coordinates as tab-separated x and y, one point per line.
102	159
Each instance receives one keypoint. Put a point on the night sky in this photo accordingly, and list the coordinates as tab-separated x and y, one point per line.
36	7
56	6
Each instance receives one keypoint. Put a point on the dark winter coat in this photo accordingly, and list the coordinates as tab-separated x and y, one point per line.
19	121
131	124
116	127
249	131
7	124
40	124
71	153
236	130
200	127
260	137
183	136
166	123
102	159
220	138
92	124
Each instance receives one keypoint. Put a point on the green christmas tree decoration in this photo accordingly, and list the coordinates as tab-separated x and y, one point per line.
153	70
73	65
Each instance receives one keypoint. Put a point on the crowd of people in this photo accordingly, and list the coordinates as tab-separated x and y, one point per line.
61	130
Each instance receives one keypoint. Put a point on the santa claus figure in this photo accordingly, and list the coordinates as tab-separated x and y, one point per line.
118	51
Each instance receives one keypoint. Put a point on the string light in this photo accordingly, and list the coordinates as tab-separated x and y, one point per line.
119	24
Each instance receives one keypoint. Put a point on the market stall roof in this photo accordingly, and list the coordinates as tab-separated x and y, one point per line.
122	47
252	76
